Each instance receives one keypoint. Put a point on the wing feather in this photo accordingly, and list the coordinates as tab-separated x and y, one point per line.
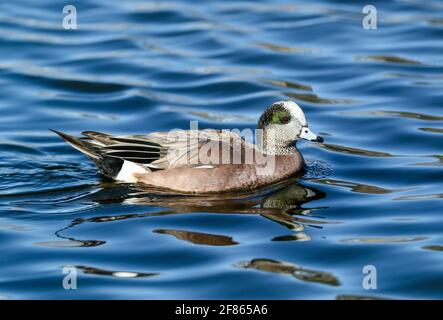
163	150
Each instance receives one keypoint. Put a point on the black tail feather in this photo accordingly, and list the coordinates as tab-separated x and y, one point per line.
82	146
109	166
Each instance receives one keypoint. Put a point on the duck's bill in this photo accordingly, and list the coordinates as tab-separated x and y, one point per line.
307	134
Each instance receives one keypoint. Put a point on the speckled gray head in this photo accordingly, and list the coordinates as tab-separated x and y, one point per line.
288	121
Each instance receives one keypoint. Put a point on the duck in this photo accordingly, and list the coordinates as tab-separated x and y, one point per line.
203	161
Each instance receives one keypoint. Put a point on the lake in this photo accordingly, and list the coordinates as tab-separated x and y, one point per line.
369	205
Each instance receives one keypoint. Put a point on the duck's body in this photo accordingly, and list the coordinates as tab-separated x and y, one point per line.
223	178
202	161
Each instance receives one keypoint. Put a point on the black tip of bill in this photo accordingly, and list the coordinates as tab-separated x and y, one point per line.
318	139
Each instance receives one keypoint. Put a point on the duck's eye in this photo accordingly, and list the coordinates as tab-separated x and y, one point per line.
306	131
285	119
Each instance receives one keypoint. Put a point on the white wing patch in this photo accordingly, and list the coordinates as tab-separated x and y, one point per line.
127	171
206	166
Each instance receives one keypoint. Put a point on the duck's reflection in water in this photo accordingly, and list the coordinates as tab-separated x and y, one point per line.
116	274
70	242
280	203
298	272
198	237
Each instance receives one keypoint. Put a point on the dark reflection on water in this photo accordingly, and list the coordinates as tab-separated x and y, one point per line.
116	274
351	297
198	237
410	115
289	84
390	59
371	195
355	151
356	187
71	243
435	248
384	240
298	272
434	130
313	98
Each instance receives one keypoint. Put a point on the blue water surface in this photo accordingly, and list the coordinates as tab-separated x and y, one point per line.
372	194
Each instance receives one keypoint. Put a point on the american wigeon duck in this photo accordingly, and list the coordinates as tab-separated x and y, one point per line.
203	161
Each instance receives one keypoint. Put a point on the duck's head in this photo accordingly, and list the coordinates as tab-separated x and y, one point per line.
287	123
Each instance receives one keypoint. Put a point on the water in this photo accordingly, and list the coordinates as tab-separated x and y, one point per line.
372	194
